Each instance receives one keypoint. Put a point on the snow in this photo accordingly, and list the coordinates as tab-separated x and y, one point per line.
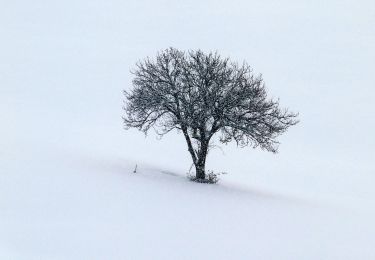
67	187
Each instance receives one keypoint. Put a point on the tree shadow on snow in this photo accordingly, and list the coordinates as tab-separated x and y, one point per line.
158	176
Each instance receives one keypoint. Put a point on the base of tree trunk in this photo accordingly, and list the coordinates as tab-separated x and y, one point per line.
209	180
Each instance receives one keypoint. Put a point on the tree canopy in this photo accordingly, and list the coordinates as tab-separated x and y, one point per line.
202	95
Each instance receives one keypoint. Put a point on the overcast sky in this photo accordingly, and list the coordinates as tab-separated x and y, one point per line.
63	65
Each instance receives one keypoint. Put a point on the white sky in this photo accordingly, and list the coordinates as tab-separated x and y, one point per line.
63	65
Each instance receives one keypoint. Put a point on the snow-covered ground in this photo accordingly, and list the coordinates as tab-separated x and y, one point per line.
67	187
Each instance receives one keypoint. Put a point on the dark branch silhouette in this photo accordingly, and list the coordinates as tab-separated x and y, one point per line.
201	95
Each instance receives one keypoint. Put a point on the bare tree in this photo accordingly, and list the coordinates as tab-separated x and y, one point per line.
200	95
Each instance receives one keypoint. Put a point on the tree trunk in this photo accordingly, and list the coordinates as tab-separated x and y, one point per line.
199	158
201	162
200	172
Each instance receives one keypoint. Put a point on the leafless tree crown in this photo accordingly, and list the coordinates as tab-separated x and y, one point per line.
201	95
